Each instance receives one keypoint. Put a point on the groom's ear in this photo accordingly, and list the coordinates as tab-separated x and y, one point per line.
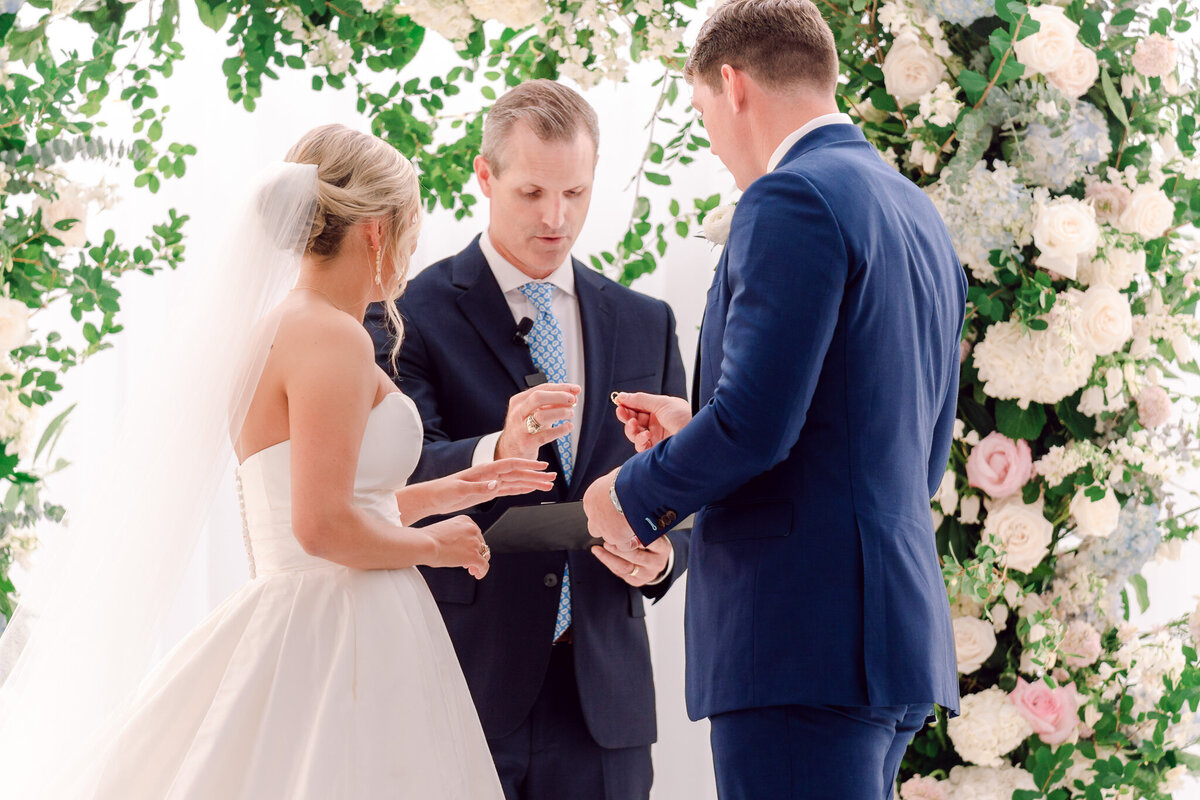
733	81
483	173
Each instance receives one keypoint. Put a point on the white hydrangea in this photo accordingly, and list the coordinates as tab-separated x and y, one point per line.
450	18
987	783
1034	366
961	12
988	727
1060	461
1150	660
992	210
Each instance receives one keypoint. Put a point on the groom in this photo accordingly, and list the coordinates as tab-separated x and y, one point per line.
818	628
553	645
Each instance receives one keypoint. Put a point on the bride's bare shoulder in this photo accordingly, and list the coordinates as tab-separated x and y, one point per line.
314	329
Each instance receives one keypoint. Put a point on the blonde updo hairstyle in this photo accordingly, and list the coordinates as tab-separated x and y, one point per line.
361	177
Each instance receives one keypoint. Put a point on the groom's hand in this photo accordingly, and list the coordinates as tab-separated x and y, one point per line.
604	521
650	418
636	567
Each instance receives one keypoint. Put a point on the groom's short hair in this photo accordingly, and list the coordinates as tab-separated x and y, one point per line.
781	44
552	111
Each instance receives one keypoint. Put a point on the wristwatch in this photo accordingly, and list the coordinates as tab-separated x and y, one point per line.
612	493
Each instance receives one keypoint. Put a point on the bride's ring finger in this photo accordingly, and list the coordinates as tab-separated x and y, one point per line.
485	551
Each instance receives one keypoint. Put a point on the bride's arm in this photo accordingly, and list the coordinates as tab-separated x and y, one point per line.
470	487
330	381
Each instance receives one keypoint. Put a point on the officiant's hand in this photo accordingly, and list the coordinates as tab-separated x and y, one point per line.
531	418
650	418
636	567
604	521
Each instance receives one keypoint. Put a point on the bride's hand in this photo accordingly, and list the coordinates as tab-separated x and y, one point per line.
501	478
457	542
650	418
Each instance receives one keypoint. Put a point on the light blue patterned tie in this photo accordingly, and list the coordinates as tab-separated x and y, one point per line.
546	346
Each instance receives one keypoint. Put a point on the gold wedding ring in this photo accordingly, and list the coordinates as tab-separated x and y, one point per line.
614	397
532	425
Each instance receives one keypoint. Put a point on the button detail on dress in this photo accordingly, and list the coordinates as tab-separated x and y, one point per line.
551	580
245	524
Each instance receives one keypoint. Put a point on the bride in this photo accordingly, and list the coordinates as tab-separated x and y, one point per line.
330	674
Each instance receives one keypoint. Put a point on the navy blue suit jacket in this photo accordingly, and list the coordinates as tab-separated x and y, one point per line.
460	365
829	378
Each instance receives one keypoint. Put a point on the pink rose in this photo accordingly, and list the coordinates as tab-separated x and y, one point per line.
1154	407
920	787
1052	713
999	466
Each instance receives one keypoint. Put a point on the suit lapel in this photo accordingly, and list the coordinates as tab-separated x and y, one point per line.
599	352
484	306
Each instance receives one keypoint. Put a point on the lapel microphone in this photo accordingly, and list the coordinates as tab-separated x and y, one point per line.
523	329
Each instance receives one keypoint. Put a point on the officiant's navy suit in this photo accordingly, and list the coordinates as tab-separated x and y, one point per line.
829	366
460	364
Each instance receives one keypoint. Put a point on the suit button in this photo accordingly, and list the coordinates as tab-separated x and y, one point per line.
551	580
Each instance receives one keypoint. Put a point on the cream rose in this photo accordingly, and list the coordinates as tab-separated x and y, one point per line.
1106	322
974	642
1149	213
1064	230
910	69
1022	531
1052	45
1077	73
1155	56
716	224
1095	518
14	325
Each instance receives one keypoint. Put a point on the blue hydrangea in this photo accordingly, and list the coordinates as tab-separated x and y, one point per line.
961	12
1123	553
1058	155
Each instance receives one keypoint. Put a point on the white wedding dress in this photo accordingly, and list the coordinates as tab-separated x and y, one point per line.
314	681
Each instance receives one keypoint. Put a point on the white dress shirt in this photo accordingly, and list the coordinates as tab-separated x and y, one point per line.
565	306
806	128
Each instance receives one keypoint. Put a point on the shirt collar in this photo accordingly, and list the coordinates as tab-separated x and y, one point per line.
806	128
512	279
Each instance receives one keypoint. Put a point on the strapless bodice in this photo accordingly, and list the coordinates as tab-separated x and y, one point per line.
390	449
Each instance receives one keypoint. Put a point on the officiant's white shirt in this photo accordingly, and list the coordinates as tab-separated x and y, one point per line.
805	129
565	306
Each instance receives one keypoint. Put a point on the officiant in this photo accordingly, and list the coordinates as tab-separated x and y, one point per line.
512	348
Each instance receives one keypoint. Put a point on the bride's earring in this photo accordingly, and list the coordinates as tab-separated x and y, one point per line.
379	266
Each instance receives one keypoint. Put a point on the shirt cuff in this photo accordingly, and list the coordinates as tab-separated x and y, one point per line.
668	570
485	451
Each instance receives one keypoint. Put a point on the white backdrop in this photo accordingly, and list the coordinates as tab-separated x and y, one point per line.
234	144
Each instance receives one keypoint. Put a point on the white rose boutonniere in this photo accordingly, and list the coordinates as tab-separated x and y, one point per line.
716	223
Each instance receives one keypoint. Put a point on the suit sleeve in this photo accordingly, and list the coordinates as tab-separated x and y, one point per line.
787	267
674	384
416	376
943	430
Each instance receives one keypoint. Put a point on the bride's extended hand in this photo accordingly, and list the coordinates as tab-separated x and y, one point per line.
650	418
457	542
501	478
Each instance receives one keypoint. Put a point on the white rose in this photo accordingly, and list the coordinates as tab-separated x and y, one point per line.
1077	74
1118	268
1095	518
716	224
974	642
1107	321
71	204
1052	45
1022	531
14	325
910	69
1149	213
1064	230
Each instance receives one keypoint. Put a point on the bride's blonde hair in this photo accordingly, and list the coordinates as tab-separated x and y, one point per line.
362	177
